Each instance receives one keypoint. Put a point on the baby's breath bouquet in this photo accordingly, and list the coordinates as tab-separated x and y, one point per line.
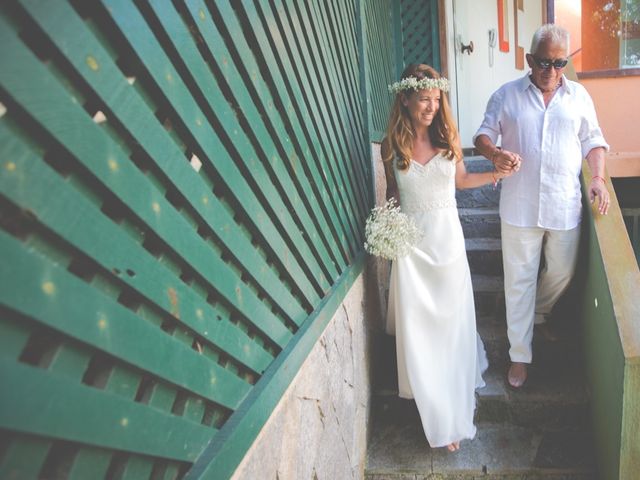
388	232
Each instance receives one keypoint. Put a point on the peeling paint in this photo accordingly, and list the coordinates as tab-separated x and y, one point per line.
49	288
92	63
173	300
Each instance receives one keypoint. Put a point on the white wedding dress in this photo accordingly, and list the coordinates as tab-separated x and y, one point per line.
441	358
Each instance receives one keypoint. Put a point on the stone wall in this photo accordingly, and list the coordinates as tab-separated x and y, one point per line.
319	429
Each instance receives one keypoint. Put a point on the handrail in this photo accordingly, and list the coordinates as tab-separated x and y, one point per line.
612	350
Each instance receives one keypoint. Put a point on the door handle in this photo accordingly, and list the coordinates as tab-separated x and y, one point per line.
467	48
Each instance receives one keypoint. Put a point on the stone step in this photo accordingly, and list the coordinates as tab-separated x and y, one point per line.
488	294
501	452
484	255
554	395
485	196
559	402
480	222
477	163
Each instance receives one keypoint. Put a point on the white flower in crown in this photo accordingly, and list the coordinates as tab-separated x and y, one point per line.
426	83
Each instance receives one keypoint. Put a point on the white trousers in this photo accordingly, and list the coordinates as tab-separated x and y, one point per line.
529	297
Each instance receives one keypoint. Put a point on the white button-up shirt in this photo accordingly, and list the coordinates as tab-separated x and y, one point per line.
552	142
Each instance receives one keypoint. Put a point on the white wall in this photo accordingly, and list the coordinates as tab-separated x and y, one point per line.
473	78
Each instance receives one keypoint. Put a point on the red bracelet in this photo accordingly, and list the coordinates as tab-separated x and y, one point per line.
601	178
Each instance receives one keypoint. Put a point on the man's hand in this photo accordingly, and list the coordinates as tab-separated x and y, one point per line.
506	162
597	188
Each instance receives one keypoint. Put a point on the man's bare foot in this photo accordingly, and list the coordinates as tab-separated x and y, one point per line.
547	333
452	447
517	374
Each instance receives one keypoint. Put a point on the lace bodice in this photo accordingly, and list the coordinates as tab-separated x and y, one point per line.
427	187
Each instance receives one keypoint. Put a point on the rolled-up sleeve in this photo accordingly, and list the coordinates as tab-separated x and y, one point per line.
491	123
590	134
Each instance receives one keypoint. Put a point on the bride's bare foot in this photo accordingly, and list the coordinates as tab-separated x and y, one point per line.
452	447
517	374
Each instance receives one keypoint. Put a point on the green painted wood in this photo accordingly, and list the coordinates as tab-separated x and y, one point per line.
268	231
90	462
24	457
340	17
39	403
338	57
248	102
77	42
14	336
330	89
137	468
380	53
311	137
135	29
419	29
339	65
316	88
39	290
29	187
28	82
224	453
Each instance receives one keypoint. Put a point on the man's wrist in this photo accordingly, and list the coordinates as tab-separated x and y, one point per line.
494	154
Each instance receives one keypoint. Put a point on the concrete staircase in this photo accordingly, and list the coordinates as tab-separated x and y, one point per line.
537	432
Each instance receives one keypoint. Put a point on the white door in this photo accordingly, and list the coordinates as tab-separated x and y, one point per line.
476	74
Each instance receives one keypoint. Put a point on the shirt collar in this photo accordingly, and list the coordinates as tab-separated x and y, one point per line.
525	83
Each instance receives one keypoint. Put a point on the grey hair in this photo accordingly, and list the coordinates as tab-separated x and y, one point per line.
550	32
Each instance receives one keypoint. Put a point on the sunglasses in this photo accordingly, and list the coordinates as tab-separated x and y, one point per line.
546	63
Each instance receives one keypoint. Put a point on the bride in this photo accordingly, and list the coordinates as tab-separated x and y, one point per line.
431	311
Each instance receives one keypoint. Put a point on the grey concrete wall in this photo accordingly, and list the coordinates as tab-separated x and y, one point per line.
319	429
378	269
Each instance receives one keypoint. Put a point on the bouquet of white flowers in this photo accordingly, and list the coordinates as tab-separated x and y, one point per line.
388	232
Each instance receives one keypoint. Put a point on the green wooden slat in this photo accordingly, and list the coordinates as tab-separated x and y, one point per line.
137	468
29	185
300	62
31	85
13	337
135	29
76	42
181	38
162	397
380	54
90	462
41	404
123	382
25	456
315	148
343	59
324	87
222	456
344	120
40	290
248	102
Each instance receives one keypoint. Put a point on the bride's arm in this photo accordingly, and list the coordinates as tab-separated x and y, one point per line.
465	179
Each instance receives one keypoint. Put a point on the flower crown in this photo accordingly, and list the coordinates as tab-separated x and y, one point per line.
426	83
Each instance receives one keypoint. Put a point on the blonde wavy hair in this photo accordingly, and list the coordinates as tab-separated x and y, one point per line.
398	141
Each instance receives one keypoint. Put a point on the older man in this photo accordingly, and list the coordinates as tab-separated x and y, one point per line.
547	124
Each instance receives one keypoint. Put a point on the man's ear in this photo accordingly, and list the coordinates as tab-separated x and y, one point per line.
529	60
